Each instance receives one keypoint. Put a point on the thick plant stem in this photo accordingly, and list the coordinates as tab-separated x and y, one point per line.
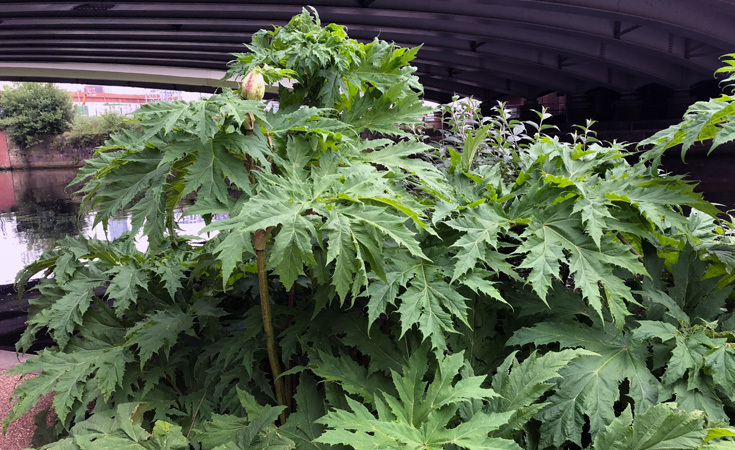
632	249
249	161
261	237
288	382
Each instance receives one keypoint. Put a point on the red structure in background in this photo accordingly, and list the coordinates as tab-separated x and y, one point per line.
7	193
4	155
101	97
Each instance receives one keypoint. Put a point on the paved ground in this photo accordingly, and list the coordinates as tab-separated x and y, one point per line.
9	359
20	432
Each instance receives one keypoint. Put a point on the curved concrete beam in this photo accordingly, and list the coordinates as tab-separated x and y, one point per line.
482	47
186	79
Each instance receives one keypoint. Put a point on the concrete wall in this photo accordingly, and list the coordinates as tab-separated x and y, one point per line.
46	155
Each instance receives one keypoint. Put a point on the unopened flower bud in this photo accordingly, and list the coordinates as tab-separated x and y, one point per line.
253	86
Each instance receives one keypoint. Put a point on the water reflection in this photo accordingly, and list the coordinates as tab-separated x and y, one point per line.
36	210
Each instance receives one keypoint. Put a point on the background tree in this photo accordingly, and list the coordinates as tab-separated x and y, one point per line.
29	111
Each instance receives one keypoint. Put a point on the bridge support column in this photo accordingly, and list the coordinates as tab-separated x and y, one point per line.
628	108
526	110
679	102
579	109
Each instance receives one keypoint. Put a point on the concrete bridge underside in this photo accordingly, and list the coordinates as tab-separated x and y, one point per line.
485	48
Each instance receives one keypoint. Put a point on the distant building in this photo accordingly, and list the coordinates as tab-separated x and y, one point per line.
97	100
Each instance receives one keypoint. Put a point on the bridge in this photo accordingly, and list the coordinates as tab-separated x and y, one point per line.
485	48
634	65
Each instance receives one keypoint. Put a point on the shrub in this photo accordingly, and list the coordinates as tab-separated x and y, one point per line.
30	111
93	131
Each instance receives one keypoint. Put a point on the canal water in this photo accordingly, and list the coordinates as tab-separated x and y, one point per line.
37	209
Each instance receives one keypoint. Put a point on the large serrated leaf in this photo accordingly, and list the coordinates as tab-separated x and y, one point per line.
418	416
590	385
159	332
124	284
661	427
523	384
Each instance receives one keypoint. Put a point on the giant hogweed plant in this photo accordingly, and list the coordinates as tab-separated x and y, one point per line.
359	296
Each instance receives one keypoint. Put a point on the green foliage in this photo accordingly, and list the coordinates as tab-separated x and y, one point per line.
415	296
330	69
93	131
122	429
524	384
590	386
31	111
712	120
662	426
474	140
419	415
659	427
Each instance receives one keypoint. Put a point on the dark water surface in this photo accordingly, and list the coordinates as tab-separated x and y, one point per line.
37	209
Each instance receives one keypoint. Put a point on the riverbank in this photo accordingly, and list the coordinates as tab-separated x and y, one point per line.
13	315
51	153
